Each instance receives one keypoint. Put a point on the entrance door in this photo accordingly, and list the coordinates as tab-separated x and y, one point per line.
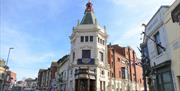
92	85
82	85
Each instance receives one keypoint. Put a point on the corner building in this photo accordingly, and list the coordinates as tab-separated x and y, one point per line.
88	65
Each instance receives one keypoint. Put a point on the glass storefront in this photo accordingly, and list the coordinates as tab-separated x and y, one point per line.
163	82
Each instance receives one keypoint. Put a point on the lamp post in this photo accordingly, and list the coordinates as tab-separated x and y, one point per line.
6	67
8	55
144	54
143	59
127	66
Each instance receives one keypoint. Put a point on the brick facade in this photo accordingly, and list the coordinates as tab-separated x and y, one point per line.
124	58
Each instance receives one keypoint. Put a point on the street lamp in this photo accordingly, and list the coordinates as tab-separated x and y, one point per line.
145	58
6	67
8	55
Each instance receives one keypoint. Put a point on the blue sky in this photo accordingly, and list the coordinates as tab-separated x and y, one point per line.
39	30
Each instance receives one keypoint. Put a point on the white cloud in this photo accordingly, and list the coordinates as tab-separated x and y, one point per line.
131	34
137	29
140	11
23	59
23	52
30	52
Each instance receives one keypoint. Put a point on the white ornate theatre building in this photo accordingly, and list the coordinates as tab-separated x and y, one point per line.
87	67
88	60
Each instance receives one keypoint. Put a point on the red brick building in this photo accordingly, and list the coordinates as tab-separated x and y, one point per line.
53	70
12	78
47	78
125	72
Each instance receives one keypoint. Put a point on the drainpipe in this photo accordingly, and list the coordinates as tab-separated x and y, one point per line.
135	70
130	65
114	66
110	73
127	64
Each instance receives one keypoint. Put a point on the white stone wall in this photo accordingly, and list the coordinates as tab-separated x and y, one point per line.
65	69
173	33
77	46
156	24
95	47
101	77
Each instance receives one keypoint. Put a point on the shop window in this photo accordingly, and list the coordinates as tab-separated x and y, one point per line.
167	81
86	38
82	38
91	38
